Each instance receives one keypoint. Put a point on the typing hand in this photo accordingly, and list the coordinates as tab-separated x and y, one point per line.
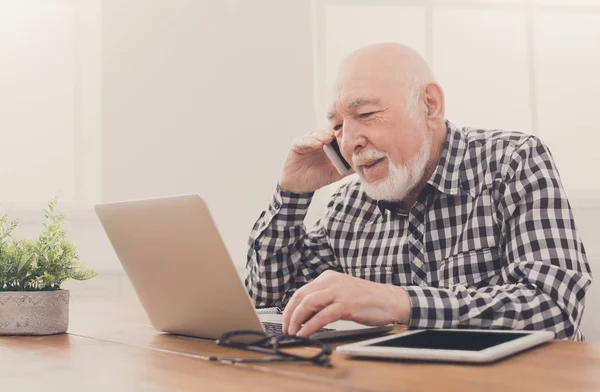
336	296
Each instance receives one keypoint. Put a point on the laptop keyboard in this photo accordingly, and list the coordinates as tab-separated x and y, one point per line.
276	328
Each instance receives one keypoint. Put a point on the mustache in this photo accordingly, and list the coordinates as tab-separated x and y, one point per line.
362	158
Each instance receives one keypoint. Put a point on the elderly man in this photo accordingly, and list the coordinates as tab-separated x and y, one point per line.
444	228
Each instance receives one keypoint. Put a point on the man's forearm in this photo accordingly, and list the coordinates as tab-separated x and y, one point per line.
273	254
283	256
513	306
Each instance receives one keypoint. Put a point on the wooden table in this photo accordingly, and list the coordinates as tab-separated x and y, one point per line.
111	346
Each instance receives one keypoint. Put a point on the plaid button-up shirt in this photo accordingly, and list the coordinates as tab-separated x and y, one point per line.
490	243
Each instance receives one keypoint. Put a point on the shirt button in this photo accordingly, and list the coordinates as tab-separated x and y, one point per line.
276	204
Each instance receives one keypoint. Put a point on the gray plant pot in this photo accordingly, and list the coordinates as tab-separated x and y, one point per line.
34	312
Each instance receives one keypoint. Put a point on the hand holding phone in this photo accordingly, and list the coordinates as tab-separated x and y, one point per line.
335	155
308	165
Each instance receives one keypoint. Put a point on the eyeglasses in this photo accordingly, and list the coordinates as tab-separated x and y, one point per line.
281	348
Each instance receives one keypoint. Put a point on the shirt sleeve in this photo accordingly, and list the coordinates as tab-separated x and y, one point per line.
545	274
282	255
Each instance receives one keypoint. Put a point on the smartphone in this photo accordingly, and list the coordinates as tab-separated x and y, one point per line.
333	152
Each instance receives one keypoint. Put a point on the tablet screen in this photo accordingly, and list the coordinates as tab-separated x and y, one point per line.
450	340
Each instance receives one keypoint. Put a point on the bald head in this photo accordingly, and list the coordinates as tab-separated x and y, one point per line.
386	62
386	66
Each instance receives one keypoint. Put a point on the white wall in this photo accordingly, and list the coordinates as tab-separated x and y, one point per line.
37	149
205	96
50	116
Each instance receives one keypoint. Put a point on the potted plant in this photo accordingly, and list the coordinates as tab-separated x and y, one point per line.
31	273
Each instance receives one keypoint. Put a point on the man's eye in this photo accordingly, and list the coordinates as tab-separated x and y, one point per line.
337	127
365	115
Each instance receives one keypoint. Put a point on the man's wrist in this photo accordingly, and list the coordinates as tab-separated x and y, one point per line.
400	305
293	188
286	193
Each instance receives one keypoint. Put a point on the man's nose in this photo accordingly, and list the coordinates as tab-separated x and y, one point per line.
353	138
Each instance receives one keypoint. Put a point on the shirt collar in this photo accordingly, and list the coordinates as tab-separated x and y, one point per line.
446	177
395	207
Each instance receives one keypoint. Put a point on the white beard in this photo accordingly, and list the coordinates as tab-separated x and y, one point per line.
401	179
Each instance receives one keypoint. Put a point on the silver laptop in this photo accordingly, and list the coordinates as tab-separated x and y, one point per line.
179	267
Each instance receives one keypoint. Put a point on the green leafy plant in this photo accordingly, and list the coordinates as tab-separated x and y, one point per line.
42	264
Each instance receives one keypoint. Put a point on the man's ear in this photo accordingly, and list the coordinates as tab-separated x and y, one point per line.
434	101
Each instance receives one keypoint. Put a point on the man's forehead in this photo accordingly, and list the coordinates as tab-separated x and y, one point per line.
352	90
350	102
